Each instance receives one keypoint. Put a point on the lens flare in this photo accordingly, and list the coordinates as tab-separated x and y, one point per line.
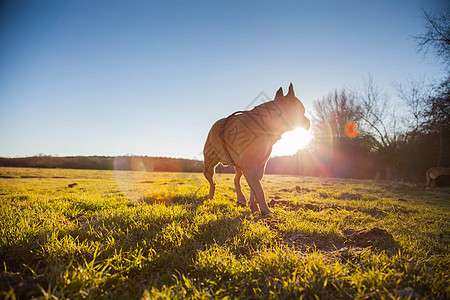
351	129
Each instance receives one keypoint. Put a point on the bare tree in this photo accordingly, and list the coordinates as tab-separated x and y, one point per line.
437	35
381	118
333	112
378	115
341	149
414	95
437	110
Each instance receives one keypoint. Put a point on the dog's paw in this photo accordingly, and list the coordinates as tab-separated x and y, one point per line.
254	207
266	213
241	204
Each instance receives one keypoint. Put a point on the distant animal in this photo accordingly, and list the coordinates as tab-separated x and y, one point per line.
72	185
245	139
438	177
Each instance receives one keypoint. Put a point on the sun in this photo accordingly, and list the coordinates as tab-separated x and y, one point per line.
291	142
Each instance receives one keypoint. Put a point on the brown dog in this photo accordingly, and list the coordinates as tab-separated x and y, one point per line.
433	175
245	139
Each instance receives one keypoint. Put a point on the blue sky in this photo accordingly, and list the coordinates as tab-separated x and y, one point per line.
151	77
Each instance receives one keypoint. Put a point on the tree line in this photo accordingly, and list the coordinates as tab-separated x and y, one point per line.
120	163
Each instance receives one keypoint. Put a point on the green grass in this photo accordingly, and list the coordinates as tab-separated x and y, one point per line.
135	235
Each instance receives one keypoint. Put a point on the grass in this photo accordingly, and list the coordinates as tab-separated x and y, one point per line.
138	235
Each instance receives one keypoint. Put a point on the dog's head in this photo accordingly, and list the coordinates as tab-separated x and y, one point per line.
294	111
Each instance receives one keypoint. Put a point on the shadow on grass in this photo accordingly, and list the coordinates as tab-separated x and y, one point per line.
168	237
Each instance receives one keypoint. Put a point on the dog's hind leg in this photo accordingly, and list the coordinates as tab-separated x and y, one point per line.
209	175
210	162
237	184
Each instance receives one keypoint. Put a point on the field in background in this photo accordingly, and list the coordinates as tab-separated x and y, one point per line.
103	234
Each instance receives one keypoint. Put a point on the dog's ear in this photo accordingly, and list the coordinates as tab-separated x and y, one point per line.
291	91
279	93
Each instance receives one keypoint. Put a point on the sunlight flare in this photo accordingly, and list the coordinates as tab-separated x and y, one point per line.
291	142
351	129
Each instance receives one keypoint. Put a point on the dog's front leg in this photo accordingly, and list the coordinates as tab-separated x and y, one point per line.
253	177
252	203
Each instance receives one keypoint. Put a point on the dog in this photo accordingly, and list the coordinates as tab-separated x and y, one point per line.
437	177
245	139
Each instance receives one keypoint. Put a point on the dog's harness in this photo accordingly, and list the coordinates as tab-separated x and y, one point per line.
224	123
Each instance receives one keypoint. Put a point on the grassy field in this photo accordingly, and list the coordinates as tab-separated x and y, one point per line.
145	235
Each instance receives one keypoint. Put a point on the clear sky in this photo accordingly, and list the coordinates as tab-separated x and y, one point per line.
151	77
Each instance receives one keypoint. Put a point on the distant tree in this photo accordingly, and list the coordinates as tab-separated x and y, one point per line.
332	113
414	94
340	152
437	35
383	121
426	141
378	115
437	109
